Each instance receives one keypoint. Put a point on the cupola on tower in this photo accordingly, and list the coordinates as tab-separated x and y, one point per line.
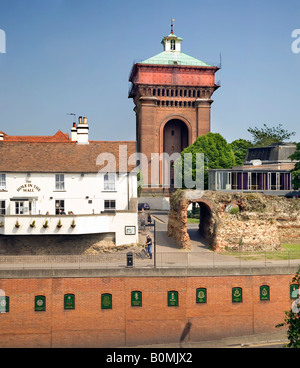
172	95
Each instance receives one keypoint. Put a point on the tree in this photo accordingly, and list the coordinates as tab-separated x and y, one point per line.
292	320
296	170
239	148
217	154
266	136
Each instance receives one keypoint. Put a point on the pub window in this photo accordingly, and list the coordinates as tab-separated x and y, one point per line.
264	292
59	207
4	304
69	301
109	205
237	295
19	208
109	182
2	207
136	298
40	303
294	291
106	301
172	298
201	295
2	181
59	182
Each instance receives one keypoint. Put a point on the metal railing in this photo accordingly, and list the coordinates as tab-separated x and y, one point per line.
179	259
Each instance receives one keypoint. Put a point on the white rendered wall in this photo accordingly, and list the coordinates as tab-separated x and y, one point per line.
77	189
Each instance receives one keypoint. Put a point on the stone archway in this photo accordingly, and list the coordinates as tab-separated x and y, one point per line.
177	224
243	221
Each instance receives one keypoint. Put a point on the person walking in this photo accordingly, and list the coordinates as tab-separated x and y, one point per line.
149	245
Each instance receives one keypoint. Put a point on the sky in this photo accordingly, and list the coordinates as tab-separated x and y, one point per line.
74	56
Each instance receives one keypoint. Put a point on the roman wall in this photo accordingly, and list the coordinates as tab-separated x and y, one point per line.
236	221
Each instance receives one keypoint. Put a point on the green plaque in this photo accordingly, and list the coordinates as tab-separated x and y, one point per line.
69	301
264	292
136	298
236	295
40	303
294	291
106	301
201	295
4	304
172	298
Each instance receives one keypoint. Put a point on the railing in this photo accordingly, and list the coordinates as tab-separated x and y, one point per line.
179	259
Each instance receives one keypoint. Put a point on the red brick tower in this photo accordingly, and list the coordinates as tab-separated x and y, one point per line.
172	96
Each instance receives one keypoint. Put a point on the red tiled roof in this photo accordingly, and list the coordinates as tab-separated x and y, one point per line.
29	156
57	137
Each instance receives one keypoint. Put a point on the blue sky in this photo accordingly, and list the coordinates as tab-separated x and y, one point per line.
74	56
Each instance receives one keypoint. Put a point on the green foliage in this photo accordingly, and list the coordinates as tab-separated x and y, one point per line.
217	154
266	136
234	210
292	320
296	171
239	148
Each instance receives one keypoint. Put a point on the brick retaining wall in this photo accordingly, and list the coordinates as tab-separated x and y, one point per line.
154	322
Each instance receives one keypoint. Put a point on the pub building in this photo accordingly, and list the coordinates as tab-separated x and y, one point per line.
265	170
56	185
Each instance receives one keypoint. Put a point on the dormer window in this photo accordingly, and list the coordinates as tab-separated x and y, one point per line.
173	45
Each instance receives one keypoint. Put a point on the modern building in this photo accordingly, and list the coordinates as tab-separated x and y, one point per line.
172	94
61	185
265	169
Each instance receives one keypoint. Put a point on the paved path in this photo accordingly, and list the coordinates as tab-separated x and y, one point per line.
168	254
200	254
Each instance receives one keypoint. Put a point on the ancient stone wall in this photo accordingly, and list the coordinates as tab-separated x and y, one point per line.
244	221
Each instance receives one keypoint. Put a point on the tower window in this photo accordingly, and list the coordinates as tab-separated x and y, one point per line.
172	132
173	45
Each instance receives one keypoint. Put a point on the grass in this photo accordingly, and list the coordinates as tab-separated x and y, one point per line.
288	251
192	220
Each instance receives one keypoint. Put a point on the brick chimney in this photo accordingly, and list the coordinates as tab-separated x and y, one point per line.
82	131
74	133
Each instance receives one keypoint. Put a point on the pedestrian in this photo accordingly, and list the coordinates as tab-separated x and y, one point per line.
149	245
149	219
